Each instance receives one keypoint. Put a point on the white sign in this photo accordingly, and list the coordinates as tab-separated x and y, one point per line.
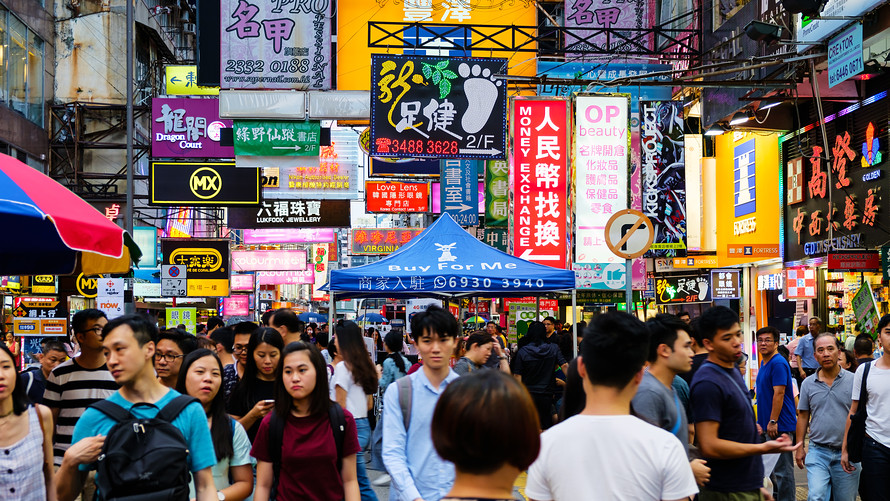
110	296
629	233
415	306
664	264
845	55
146	290
173	271
601	171
173	287
813	31
600	276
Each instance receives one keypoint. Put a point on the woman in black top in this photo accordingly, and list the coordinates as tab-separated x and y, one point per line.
253	396
535	364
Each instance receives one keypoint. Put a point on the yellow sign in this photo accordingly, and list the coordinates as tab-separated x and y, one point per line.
53	326
270	177
354	55
747	196
26	326
205	183
197	259
182	81
43	284
208	287
87	287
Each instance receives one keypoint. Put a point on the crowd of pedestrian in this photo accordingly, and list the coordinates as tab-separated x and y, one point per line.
655	410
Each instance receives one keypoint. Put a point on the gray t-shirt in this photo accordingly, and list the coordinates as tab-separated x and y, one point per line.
465	366
828	407
660	405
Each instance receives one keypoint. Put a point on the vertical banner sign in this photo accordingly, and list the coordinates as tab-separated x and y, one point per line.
540	160
320	266
664	176
497	189
275	45
602	161
460	191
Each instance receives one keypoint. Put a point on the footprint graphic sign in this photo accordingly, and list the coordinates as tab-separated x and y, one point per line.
438	107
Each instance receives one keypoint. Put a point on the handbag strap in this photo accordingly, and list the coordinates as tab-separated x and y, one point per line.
863	389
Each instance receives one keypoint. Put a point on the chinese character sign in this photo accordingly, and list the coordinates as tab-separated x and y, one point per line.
276	139
397	197
277	44
424	106
497	189
320	267
680	290
187	128
183	316
664	176
602	161
382	241
459	191
540	159
596	16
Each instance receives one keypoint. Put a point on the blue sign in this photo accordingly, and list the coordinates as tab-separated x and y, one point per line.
459	193
745	196
595	71
845	55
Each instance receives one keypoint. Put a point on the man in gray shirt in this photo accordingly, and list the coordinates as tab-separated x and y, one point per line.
670	353
825	399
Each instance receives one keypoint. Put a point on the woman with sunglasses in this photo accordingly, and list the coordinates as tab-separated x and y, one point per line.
253	396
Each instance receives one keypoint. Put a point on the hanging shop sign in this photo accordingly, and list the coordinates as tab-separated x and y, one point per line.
264	138
320	266
397	167
459	190
236	306
43	284
683	290
590	18
814	31
379	242
539	128
599	71
600	276
865	309
602	163
289	236
269	260
854	261
182	80
187	317
291	213
331	175
203	184
850	200
195	267
39	316
146	237
499	238
664	175
242	282
771	281
306	276
726	284
497	191
273	45
187	128
110	297
439	107
800	283
845	55
696	262
436	197
397	197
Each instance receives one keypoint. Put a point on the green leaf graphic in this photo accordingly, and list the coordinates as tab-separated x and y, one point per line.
442	65
449	74
427	70
444	89
437	76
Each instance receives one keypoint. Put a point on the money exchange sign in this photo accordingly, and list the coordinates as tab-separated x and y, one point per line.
424	106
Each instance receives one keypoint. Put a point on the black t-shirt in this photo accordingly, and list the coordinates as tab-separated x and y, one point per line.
696	363
717	394
537	365
262	390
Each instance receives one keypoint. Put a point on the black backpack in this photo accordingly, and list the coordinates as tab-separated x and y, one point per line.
144	459
276	441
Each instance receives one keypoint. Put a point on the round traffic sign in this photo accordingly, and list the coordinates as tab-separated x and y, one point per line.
174	271
629	233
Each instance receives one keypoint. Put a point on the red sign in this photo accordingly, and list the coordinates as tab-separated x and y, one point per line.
378	242
397	197
540	156
546	304
854	261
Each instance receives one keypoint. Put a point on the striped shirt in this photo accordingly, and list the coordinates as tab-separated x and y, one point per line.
71	388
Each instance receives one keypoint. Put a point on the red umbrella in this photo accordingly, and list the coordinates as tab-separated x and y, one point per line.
50	230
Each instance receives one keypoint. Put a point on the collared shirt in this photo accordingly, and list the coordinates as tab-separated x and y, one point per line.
828	406
805	351
775	372
416	469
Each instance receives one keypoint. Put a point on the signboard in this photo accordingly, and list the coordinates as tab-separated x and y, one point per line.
241	283
497	191
43	284
182	80
269	260
187	128
865	309
291	213
816	30
203	264
39	316
726	284
664	175
397	167
288	236
499	238
274	45
595	16
683	290
320	266
415	306
629	233
182	316
436	197
236	306
397	197
600	276
600	71
264	138
800	283
203	184
379	242
459	191
331	175
110	297
539	128
438	107
854	261
602	162
845	55
306	276
146	237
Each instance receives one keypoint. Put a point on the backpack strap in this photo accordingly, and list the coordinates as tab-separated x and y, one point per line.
275	441
174	407
112	410
30	376
338	426
405	397
863	390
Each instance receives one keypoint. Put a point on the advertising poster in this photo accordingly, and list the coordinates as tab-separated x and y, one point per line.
439	107
236	306
519	317
497	183
540	179
415	306
183	316
275	45
459	194
39	316
600	276
664	175
380	242
269	260
242	283
602	162
276	213
865	309
187	128
683	290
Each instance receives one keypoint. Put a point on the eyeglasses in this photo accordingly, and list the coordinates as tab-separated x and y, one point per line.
765	340
169	357
96	329
238	348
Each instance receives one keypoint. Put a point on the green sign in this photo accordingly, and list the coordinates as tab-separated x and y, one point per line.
865	310
183	316
496	190
495	237
263	138
596	297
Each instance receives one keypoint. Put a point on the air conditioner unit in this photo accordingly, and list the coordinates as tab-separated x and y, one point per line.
188	28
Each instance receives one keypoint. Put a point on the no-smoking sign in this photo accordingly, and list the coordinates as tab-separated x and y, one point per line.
629	233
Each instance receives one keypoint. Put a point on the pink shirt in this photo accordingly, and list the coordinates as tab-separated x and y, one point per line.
791	347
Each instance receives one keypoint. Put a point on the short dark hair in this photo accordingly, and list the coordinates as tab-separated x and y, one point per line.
614	349
80	319
215	322
434	320
837	342
663	330
322	338
144	330
285	317
478	338
243	328
224	336
320	400
185	341
714	319
883	322
769	329
266	317
477	441
863	346
683	313
551	320
53	345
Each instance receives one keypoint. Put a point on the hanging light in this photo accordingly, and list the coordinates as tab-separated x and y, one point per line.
715	130
741	117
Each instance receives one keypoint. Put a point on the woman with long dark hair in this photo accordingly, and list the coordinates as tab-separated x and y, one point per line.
355	383
254	394
395	365
534	365
201	377
26	437
309	468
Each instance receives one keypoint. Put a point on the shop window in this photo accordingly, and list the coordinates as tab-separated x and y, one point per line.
21	68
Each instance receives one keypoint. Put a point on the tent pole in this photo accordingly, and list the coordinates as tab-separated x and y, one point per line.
332	313
575	322
538	308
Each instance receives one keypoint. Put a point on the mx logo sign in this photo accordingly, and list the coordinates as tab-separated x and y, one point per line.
744	193
205	183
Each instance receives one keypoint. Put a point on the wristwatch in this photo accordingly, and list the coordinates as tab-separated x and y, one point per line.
221	496
773	421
